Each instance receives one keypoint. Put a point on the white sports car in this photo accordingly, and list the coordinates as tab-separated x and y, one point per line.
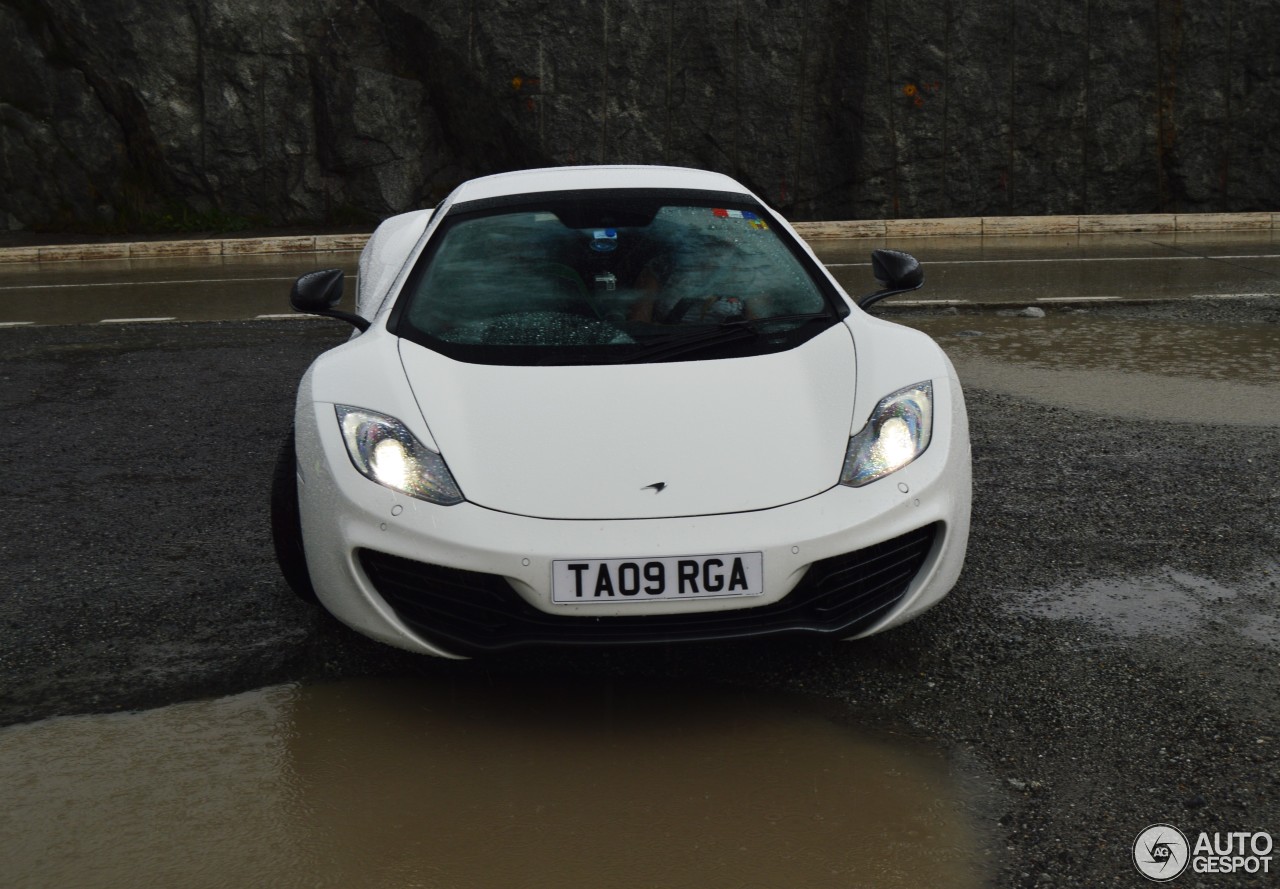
614	405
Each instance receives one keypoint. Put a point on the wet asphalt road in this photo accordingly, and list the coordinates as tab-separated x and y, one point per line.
139	572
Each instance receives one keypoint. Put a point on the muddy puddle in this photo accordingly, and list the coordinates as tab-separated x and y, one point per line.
407	784
1207	372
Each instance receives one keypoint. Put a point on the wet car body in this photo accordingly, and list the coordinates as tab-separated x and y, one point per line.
609	405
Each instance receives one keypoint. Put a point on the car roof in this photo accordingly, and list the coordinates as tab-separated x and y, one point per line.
593	177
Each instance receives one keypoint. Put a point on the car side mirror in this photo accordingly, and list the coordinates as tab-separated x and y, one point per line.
316	293
897	272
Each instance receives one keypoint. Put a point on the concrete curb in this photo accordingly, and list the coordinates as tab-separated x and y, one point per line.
163	249
999	226
988	226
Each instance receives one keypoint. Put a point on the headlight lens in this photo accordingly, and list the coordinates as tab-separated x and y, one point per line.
897	433
386	452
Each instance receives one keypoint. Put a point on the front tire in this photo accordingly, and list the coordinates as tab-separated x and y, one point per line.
286	523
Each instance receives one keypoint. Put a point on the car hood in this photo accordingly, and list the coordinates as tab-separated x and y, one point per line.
641	441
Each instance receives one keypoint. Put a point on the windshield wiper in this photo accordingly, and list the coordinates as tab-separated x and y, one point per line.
728	331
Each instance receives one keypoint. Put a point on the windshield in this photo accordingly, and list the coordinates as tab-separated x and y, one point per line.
602	277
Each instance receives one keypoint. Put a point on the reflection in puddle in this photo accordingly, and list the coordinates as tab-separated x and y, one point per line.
406	784
1164	606
1242	352
1181	371
1172	605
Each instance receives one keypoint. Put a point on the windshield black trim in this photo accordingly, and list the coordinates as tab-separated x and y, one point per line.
482	206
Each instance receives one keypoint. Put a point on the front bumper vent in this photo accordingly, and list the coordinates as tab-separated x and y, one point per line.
469	612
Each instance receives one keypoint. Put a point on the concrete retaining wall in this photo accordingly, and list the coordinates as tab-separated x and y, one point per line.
139	114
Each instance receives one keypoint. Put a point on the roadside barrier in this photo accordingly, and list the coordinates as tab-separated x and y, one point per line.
980	226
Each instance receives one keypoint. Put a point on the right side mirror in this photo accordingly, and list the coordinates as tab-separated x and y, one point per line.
897	272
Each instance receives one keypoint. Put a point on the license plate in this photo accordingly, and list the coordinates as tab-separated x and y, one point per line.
595	581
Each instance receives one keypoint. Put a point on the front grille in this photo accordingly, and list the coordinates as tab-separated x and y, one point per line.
469	612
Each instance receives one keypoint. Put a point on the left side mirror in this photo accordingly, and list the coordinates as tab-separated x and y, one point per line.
896	272
316	293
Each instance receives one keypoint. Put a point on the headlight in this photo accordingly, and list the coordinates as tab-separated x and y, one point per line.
897	433
386	452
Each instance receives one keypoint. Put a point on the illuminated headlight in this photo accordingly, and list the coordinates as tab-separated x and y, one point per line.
897	433
386	452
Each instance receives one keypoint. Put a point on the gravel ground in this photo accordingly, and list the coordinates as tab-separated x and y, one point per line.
140	573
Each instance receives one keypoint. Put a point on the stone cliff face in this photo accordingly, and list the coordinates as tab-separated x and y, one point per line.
120	111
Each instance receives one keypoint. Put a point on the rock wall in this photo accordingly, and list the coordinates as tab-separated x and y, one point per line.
137	112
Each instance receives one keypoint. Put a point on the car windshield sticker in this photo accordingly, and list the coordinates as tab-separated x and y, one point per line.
752	219
604	240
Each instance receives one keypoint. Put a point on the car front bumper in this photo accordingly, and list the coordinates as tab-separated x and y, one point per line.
457	580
